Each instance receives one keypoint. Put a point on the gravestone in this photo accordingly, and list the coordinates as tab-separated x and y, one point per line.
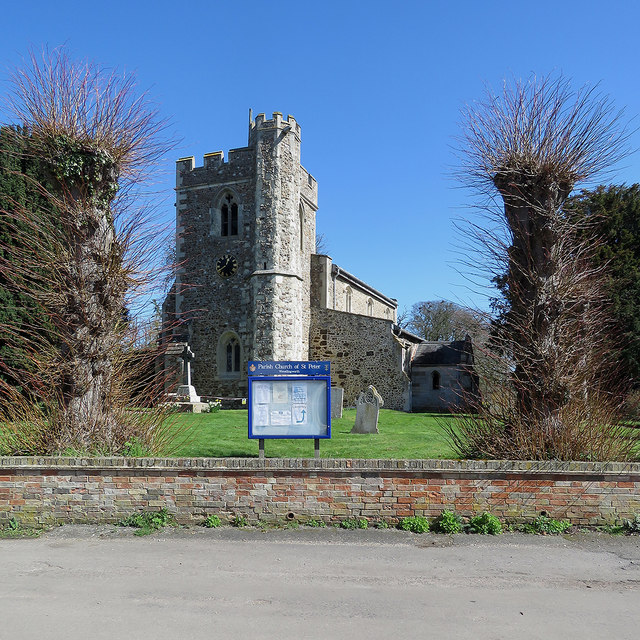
337	396
367	410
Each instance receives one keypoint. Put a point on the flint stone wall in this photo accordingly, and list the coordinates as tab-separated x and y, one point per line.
40	491
362	351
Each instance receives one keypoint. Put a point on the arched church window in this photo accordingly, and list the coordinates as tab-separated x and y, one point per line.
435	379
369	307
233	356
229	216
229	355
347	299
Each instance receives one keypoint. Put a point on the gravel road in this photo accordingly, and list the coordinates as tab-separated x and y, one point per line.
102	582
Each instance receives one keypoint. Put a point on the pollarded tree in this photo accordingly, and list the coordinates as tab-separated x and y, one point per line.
93	137
528	148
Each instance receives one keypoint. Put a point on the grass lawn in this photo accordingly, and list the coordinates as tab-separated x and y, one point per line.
402	435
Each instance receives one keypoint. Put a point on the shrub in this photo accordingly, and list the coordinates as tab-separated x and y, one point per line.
485	523
148	522
315	523
545	525
239	521
354	523
447	522
415	524
135	448
211	522
14	529
632	526
382	524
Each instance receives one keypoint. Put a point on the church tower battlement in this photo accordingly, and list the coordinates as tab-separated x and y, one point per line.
245	232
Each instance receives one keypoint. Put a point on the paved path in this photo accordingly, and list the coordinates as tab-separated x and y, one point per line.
101	582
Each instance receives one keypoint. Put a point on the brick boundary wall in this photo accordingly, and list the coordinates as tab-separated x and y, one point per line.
40	490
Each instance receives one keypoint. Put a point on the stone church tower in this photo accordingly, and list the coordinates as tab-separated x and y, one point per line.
245	232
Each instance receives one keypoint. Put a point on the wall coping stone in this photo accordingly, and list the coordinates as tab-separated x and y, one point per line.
534	468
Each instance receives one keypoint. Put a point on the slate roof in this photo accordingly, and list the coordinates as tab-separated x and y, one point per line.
407	335
431	354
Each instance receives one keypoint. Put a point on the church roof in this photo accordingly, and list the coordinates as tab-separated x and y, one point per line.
345	276
430	354
407	335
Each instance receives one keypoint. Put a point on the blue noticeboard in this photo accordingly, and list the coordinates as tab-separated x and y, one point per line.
290	401
290	368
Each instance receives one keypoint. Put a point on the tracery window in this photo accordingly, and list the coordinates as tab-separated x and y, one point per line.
229	216
229	355
233	356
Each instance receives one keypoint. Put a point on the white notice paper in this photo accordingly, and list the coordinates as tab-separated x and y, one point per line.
280	418
261	393
281	393
261	415
299	393
300	412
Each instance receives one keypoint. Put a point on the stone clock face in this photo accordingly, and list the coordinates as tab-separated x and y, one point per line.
226	265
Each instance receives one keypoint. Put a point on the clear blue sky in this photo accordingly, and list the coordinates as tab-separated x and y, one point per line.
376	86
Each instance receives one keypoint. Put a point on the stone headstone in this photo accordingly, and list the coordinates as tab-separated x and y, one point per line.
337	396
367	410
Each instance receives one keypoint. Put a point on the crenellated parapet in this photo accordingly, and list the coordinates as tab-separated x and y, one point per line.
215	167
277	121
239	162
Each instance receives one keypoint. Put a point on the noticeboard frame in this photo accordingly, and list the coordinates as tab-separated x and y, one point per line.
291	378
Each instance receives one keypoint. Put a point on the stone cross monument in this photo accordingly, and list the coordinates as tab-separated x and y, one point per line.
186	389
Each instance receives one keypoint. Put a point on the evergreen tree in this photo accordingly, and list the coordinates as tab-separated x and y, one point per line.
18	310
615	212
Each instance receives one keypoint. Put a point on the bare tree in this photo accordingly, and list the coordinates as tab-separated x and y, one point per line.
404	317
321	246
94	138
526	149
442	320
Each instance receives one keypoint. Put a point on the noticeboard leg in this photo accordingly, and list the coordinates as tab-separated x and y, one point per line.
316	447
261	448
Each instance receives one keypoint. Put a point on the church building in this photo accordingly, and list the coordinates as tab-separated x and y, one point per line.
250	285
